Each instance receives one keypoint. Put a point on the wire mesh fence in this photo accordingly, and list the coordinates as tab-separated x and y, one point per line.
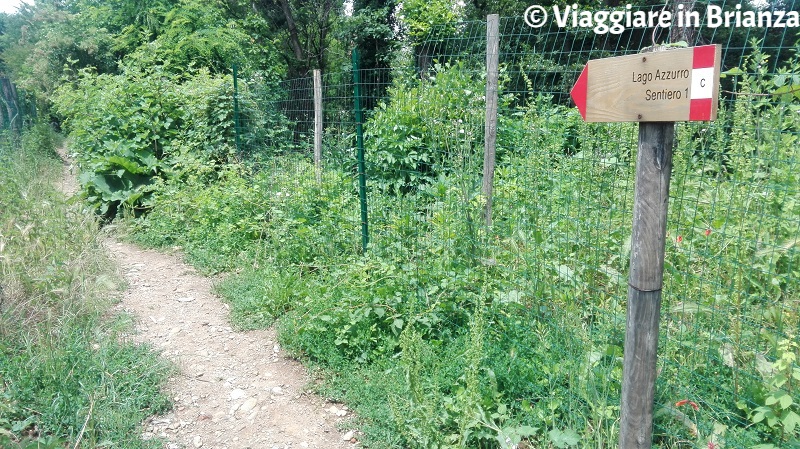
553	265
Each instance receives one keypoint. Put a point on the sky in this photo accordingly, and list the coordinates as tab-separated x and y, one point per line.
9	6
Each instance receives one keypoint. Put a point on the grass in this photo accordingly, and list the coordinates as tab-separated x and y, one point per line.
259	297
66	375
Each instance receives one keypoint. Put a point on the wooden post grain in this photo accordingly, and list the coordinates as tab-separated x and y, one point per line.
490	135
651	197
318	124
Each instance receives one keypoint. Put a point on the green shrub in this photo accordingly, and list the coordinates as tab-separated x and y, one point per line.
284	216
132	129
427	128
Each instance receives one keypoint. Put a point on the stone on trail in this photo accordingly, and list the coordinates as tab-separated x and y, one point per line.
238	393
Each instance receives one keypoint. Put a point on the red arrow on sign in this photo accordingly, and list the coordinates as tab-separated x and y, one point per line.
578	92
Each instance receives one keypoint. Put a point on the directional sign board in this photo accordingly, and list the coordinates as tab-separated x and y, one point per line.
665	86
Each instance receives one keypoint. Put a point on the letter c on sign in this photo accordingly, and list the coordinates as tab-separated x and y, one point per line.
702	82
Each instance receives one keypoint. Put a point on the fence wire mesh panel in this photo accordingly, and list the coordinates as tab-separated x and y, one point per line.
533	306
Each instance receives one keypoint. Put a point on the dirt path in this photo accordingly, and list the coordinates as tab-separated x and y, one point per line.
233	390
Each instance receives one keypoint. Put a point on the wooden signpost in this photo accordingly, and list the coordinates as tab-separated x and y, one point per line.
655	89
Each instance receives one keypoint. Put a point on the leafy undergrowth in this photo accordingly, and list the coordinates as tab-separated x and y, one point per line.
443	336
448	333
65	376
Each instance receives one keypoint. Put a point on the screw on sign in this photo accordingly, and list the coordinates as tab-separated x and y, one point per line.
679	84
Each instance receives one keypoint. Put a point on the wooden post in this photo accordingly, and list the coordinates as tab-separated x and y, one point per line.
651	198
490	135
318	124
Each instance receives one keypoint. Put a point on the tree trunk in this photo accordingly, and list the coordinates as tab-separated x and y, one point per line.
687	31
294	39
9	93
424	59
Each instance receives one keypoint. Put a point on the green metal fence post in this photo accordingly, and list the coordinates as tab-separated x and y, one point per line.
362	177
236	107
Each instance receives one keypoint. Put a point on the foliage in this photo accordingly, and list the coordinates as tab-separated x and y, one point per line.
372	29
467	417
130	23
62	366
479	336
775	409
426	127
40	40
193	35
286	217
166	112
154	37
130	130
303	32
535	304
263	131
422	17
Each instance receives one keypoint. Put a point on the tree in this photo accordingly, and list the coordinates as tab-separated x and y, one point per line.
304	27
372	29
40	40
427	23
131	22
194	34
479	9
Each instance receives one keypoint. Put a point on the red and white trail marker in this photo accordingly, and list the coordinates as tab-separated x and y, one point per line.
666	86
